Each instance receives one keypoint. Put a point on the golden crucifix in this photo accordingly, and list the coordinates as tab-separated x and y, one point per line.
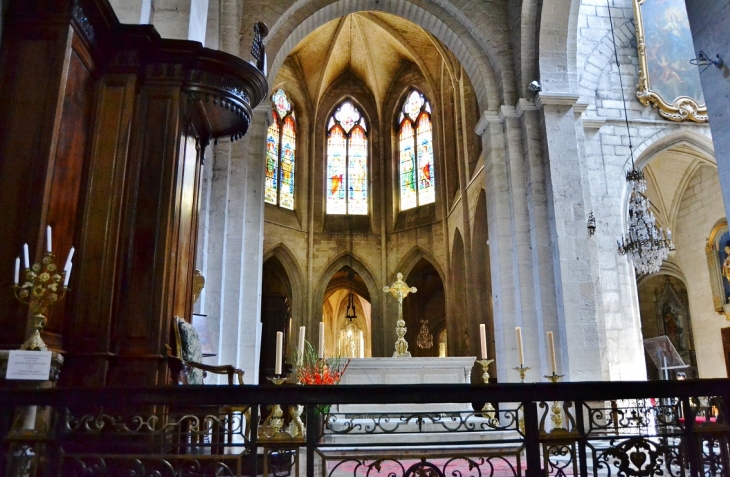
400	290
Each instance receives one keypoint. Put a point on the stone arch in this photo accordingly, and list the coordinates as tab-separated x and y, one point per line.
667	268
479	59
294	273
413	256
557	45
351	260
604	54
661	141
667	138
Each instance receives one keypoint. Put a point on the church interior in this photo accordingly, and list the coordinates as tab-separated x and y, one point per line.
479	150
547	171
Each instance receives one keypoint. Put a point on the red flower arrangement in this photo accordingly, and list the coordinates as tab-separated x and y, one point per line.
313	370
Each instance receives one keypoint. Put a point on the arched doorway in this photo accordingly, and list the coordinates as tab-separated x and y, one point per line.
346	313
276	301
664	308
426	311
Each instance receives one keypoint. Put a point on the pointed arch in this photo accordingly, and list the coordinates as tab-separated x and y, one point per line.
374	289
413	256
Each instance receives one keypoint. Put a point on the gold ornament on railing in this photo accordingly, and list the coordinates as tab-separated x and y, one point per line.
425	338
399	289
42	285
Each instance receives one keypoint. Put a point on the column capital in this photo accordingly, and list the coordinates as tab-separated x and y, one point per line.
556	98
488	117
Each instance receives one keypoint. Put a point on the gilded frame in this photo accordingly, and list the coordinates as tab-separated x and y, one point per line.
712	250
682	107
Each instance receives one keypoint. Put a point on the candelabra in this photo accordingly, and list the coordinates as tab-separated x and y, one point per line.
42	286
275	420
522	369
556	415
488	410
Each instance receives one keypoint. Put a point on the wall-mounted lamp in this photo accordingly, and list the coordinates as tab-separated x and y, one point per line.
591	224
704	60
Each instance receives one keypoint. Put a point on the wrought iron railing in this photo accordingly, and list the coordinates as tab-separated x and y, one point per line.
588	429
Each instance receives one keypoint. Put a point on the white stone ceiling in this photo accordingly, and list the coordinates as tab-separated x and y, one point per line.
666	178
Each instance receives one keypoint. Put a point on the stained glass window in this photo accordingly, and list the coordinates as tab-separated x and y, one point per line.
281	145
347	162
417	185
272	161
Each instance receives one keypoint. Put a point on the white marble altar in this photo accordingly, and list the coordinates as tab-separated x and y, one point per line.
409	371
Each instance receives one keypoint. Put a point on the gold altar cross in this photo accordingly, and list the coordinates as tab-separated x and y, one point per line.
399	289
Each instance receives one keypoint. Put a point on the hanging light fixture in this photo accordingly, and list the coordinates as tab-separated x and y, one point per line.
646	245
350	313
425	338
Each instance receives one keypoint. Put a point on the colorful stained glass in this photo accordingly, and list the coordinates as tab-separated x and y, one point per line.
407	167
357	173
336	171
417	186
424	143
272	161
281	102
413	105
347	115
288	152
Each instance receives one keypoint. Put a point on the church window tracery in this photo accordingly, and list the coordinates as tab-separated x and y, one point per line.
347	162
281	142
415	141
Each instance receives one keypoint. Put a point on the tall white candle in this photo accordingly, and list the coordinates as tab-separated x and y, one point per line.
483	339
300	348
362	344
49	239
519	346
68	259
321	340
68	275
279	347
551	345
26	256
17	270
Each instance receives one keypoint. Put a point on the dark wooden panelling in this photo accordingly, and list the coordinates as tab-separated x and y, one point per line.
89	325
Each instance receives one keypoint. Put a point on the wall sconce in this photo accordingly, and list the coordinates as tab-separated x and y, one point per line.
704	60
591	224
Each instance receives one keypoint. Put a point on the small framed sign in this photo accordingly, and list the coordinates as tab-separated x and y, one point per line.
29	365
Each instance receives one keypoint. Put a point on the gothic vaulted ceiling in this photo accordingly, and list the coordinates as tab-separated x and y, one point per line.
370	45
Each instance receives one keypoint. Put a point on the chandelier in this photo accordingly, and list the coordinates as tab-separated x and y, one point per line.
425	338
645	244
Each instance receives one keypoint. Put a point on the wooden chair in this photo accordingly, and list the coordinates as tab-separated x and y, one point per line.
188	354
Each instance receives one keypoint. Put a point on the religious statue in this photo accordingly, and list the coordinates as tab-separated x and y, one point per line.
399	289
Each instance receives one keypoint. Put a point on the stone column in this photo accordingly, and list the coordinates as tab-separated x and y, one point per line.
233	237
136	12
504	296
180	19
581	337
537	209
711	34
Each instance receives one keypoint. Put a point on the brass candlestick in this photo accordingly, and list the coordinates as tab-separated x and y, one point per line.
41	287
522	369
275	420
556	414
399	289
488	410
